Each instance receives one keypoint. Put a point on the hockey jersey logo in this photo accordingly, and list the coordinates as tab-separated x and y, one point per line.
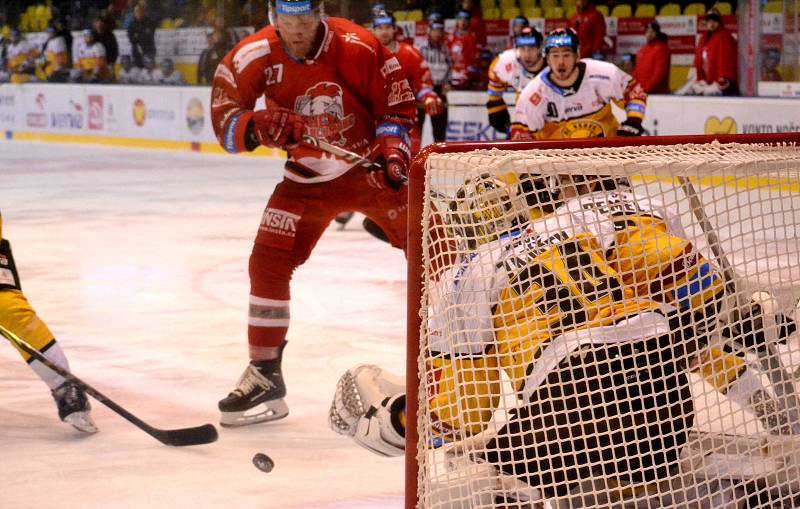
322	107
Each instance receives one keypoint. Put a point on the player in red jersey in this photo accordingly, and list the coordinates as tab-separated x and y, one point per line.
297	64
463	46
417	71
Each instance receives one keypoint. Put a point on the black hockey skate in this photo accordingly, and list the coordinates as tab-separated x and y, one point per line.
74	407
260	393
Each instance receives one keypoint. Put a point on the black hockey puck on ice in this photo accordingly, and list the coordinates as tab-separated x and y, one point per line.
263	462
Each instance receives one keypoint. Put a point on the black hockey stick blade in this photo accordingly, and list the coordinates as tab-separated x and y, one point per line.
204	434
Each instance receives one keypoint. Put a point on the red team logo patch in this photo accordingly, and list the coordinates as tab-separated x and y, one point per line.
536	98
322	107
278	227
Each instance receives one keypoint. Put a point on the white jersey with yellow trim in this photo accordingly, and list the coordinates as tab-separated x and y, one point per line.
548	111
465	299
507	71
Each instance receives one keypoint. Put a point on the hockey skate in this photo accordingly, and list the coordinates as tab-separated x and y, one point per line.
74	407
258	396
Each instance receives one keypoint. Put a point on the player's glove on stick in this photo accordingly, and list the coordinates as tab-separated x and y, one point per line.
394	155
630	127
433	104
278	127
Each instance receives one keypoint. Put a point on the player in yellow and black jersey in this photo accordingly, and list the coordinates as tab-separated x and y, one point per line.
17	315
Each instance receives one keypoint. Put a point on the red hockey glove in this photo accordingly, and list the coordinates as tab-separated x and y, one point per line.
276	126
433	104
393	154
632	126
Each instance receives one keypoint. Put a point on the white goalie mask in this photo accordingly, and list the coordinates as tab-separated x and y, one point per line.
484	208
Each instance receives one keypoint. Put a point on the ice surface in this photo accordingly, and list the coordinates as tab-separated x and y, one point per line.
137	260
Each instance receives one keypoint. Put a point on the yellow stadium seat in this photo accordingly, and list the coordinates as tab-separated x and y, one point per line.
507	4
622	11
25	22
5	32
569	11
415	15
511	13
694	9
603	10
493	13
400	15
774	7
645	11
533	12
567	3
724	8
487	4
550	3
167	24
524	4
670	9
556	12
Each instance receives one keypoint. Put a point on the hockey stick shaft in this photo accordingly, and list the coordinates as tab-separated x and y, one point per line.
767	355
204	434
345	154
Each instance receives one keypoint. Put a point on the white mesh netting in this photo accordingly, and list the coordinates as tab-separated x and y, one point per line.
611	328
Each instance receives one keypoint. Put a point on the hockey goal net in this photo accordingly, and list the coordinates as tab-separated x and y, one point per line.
631	346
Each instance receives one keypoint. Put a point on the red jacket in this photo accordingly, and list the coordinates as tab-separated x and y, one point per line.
591	27
464	57
716	59
652	67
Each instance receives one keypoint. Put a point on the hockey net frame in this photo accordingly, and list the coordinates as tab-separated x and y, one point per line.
417	190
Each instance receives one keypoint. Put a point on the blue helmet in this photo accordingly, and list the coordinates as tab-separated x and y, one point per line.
295	7
382	18
562	38
529	36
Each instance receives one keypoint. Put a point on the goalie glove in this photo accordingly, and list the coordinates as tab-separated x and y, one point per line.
749	329
367	406
632	126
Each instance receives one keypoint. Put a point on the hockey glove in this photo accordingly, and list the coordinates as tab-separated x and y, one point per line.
367	406
499	118
278	127
394	156
632	126
749	330
433	104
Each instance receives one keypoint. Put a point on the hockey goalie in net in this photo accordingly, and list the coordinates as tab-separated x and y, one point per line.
596	311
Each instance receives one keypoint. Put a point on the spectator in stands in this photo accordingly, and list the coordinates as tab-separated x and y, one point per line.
769	66
128	74
91	65
463	47
55	58
716	70
142	35
590	25
211	57
106	37
167	75
653	61
62	31
4	74
436	54
20	59
147	71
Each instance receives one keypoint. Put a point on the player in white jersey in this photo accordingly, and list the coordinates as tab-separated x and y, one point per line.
167	75
20	59
512	70
606	273
128	74
572	98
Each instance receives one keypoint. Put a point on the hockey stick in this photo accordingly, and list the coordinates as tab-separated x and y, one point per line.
345	154
767	355
204	434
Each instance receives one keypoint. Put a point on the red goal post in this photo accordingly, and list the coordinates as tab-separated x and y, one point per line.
415	252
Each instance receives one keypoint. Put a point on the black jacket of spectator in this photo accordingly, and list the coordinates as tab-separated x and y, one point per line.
142	34
109	42
209	60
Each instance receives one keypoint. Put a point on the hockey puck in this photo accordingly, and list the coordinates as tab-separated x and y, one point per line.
263	462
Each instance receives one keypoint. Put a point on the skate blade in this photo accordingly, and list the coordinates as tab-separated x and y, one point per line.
270	411
81	421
